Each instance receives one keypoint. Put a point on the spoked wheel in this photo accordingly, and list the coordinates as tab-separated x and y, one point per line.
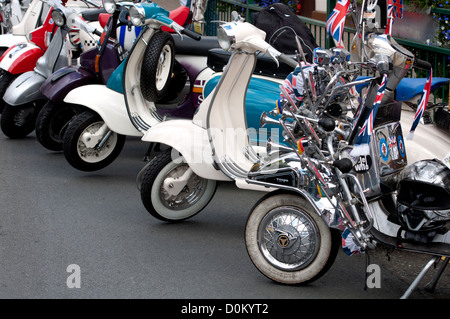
88	143
18	121
157	67
170	191
6	79
52	122
288	242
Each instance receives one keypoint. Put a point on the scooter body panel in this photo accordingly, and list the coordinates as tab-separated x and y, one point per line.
24	89
21	58
56	87
109	104
8	40
191	141
261	96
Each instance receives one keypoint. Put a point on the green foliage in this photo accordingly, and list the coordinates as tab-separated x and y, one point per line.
443	35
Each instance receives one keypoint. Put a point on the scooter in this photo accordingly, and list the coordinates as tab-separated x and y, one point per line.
214	145
94	138
23	97
347	179
96	67
22	55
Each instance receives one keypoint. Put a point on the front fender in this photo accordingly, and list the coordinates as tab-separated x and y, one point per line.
24	89
109	104
191	141
21	58
56	87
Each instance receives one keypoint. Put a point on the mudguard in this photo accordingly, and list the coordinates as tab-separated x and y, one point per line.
21	58
24	89
56	87
191	141
109	104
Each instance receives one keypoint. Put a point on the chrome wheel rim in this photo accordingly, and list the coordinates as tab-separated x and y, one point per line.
189	195
163	69
288	238
94	155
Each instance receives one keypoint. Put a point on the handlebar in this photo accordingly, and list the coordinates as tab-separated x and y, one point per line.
288	60
191	34
422	64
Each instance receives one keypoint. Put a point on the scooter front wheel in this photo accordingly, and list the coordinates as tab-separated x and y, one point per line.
85	148
288	241
18	121
170	191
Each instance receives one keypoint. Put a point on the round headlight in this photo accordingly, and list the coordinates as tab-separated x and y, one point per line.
109	6
223	38
137	15
58	17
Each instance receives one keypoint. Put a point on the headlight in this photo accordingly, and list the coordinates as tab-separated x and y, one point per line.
58	17
225	39
137	15
109	6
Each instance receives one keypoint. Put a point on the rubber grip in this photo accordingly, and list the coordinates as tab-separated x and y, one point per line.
192	34
288	60
422	64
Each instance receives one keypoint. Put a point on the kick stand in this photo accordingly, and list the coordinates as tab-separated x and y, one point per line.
432	284
419	277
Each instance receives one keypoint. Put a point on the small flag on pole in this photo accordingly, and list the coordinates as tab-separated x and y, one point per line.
336	20
421	106
361	146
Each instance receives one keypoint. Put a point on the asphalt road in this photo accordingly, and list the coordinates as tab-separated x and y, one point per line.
53	217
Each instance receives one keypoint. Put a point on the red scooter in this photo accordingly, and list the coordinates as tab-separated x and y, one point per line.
22	57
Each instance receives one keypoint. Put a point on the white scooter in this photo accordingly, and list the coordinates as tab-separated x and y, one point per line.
215	145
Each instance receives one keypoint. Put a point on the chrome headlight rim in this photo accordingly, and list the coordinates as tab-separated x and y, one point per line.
137	15
226	40
109	6
58	17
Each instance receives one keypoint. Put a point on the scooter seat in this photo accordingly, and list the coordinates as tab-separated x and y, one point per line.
179	15
265	65
92	15
190	46
410	87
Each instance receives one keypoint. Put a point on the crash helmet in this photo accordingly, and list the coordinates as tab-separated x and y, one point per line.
423	195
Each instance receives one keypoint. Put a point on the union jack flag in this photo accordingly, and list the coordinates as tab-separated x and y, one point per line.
422	105
336	20
398	8
361	146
